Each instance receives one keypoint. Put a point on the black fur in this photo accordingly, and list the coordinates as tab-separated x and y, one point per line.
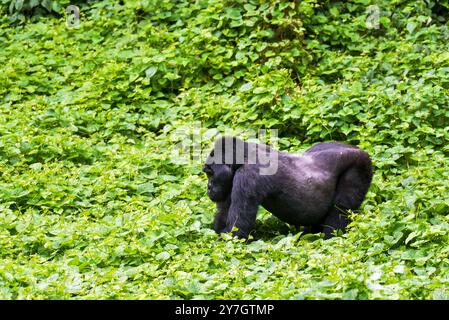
313	189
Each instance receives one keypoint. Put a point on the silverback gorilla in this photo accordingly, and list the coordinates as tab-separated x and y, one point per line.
313	189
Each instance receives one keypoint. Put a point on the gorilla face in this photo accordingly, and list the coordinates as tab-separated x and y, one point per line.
220	181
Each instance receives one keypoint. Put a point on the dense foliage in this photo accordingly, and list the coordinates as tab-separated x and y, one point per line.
92	205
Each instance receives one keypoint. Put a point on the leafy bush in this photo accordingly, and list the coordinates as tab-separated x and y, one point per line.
19	9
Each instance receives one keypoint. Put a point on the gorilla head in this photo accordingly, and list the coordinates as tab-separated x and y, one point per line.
221	165
220	181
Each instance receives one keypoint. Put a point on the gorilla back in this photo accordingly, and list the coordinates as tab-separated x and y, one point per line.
315	188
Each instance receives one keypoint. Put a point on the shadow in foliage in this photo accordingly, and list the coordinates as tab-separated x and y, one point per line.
271	227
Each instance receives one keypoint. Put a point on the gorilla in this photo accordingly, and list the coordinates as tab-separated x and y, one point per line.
314	189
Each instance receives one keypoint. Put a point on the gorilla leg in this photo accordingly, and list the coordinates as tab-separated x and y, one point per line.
351	189
336	219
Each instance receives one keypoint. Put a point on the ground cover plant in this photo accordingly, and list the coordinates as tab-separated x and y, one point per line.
92	205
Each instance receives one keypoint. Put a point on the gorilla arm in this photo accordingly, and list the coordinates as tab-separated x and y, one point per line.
221	216
245	199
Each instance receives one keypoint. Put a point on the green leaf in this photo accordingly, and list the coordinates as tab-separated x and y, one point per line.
411	26
164	255
246	87
411	236
18	4
47	4
147	187
34	3
151	71
233	13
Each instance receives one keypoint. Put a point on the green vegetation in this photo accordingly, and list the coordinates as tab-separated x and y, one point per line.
92	205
